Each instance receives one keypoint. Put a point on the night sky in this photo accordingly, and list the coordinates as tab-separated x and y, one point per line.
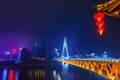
23	22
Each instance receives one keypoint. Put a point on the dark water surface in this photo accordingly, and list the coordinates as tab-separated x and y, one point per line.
48	71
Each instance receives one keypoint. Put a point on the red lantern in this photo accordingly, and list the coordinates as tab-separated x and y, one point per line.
98	16
100	30
100	23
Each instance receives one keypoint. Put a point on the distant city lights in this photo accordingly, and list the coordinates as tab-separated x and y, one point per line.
7	53
56	50
20	48
92	54
35	44
14	51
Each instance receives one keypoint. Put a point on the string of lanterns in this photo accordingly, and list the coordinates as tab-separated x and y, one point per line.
100	22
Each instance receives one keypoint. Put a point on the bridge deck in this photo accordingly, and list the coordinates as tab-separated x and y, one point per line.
109	68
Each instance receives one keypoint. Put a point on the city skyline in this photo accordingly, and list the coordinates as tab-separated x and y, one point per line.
60	40
23	23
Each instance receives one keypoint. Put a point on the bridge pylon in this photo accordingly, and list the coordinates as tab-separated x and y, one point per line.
65	55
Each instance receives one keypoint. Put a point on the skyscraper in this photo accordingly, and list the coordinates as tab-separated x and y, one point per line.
36	50
25	55
46	50
42	51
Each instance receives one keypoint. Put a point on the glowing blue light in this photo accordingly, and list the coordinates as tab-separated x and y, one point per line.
56	50
105	52
92	54
35	44
65	47
7	53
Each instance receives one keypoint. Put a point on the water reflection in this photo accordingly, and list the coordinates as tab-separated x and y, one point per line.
65	72
4	77
43	73
59	72
36	73
16	77
56	75
9	74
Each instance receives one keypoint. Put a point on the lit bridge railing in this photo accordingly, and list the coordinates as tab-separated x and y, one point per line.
108	68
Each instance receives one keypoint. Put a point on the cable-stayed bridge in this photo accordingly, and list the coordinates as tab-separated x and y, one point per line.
108	68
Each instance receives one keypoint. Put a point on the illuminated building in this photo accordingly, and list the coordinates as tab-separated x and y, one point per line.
49	49
25	55
42	51
111	8
105	55
57	54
